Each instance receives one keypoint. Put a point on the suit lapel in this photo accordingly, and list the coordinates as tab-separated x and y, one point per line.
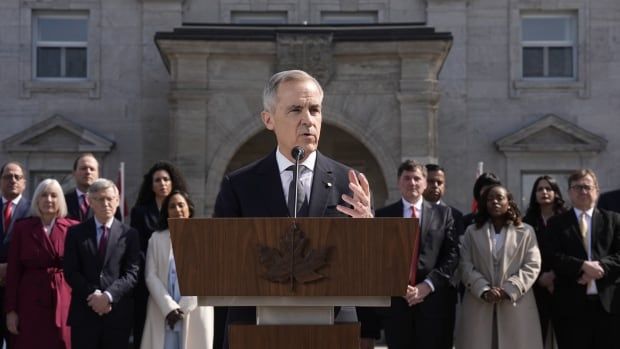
596	232
511	244
20	211
575	233
321	188
270	184
38	234
427	217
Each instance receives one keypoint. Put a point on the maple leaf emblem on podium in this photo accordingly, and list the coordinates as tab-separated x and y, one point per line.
293	261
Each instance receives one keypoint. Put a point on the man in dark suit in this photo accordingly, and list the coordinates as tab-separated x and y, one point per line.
424	316
85	172
101	266
610	201
14	207
436	189
292	102
584	245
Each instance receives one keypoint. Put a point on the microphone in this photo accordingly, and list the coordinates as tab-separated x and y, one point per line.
298	153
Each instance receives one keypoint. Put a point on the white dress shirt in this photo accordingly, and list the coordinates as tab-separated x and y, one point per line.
287	176
591	285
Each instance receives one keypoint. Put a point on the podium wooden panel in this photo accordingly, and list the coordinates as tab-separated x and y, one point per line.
338	336
219	256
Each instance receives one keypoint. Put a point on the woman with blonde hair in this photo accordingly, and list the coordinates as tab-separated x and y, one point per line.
37	295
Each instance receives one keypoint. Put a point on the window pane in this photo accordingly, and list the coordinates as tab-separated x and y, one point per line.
62	29
547	29
249	17
48	62
334	17
533	62
561	61
76	62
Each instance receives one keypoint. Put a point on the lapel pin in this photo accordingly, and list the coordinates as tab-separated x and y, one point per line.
328	184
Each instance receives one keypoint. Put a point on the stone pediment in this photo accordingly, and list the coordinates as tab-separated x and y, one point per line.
57	134
551	134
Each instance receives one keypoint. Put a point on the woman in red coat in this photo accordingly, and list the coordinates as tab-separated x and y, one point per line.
37	296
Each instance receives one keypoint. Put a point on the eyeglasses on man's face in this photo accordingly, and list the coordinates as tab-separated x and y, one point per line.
582	187
13	176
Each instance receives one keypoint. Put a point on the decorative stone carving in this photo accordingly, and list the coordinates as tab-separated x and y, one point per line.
309	52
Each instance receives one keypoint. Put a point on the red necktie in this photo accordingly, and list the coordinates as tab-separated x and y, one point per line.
84	206
8	212
103	242
416	252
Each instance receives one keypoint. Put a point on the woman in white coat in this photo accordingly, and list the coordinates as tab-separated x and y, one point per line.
172	321
499	264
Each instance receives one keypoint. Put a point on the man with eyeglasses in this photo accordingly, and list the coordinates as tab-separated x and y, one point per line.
14	207
583	248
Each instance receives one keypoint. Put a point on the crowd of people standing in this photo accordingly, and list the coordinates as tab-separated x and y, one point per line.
72	274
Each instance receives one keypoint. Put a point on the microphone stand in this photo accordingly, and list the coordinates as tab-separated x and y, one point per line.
298	154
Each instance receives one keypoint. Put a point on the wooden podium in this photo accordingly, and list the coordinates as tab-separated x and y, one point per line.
294	271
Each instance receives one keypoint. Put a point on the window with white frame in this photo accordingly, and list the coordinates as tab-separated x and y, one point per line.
60	43
349	17
259	17
549	46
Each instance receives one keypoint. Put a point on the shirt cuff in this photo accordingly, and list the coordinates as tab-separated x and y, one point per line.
430	284
109	296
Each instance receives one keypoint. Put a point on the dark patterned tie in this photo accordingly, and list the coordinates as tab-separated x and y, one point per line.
301	194
103	242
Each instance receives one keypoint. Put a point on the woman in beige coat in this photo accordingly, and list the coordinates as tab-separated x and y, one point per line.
172	321
500	261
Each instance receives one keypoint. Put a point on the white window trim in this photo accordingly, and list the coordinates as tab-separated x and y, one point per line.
548	44
57	44
28	85
580	83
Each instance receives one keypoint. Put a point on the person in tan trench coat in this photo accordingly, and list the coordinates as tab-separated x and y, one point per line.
196	322
500	262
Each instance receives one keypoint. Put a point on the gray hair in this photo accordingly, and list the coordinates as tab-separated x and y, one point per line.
270	92
101	184
52	185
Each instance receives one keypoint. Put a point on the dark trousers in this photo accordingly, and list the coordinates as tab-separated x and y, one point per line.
4	332
219	326
99	337
428	325
588	326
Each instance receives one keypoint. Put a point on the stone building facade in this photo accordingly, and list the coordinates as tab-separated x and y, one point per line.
526	87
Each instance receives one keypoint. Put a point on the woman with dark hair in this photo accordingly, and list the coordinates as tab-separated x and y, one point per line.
483	181
37	295
545	202
173	321
499	264
157	183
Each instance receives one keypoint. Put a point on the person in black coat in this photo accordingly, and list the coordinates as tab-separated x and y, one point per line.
101	265
161	179
292	102
424	316
545	202
85	172
585	255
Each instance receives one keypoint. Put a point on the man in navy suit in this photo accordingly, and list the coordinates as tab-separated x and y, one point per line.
584	247
101	265
436	189
292	102
424	316
14	207
85	172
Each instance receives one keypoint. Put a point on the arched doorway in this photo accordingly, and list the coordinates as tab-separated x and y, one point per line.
334	143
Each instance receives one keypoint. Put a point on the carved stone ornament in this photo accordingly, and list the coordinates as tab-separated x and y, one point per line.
293	261
311	53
